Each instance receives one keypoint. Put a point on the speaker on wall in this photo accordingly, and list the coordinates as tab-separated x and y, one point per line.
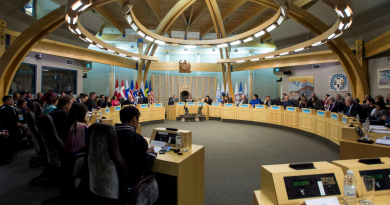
287	72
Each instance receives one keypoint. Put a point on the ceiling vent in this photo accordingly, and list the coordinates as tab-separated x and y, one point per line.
316	66
69	62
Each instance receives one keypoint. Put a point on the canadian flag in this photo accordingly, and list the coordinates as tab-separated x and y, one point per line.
117	89
122	93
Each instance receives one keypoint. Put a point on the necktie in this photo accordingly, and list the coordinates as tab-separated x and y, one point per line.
331	107
349	110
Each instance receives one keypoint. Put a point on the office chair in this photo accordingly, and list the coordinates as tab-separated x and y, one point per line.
107	172
37	139
66	168
365	113
296	103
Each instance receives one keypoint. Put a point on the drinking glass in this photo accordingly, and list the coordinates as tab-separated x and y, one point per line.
368	189
185	143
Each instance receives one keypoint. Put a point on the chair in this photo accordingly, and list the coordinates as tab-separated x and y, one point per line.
36	109
107	172
37	139
365	113
318	105
296	103
277	101
66	168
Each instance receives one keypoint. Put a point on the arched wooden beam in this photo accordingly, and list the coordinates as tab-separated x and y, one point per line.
358	80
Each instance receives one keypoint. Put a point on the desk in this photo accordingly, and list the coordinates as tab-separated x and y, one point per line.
260	113
321	123
107	121
275	115
215	110
192	108
145	112
189	169
291	117
205	109
157	112
106	112
244	112
334	132
94	116
306	120
174	111
228	111
115	114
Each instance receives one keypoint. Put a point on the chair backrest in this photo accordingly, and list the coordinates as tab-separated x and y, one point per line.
277	101
34	131
318	105
121	101
296	103
366	110
36	108
106	167
55	149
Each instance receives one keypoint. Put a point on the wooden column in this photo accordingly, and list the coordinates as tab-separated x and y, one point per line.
215	88
2	36
191	85
202	87
112	81
140	63
196	92
359	55
250	85
159	88
209	87
172	87
166	97
178	87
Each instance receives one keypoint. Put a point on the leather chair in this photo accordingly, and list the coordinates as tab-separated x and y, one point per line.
36	109
107	180
318	105
66	168
37	139
277	101
296	103
365	113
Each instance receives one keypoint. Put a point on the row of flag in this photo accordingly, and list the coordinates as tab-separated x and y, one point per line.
237	93
122	92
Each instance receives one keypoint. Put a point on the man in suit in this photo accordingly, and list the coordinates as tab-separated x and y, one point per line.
287	102
29	100
366	97
268	101
82	99
173	100
334	106
59	115
39	96
338	98
325	102
90	103
311	99
352	109
243	100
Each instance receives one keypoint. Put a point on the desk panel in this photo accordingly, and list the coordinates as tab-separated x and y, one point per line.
260	113
192	108
334	127
145	113
306	120
229	112
275	115
244	113
157	113
291	117
215	110
115	114
322	123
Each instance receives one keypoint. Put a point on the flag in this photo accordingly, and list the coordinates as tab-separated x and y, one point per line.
117	89
222	90
146	89
122	93
151	91
142	89
240	91
127	91
218	94
132	90
237	95
246	91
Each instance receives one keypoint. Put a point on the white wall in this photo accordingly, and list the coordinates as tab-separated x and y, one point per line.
374	64
321	77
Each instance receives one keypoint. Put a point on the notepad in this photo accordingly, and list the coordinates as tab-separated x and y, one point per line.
381	131
378	127
383	141
323	201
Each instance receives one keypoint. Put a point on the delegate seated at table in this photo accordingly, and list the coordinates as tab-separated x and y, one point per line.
268	101
287	102
334	106
189	99
226	99
173	100
255	100
304	103
208	100
352	109
243	100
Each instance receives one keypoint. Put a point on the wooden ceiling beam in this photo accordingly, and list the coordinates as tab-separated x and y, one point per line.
224	15
189	20
378	45
255	12
104	12
198	13
155	9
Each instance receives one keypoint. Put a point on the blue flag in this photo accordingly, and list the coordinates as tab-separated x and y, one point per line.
146	89
240	91
133	91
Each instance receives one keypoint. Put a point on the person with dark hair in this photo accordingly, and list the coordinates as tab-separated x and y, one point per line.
366	97
357	101
325	102
387	99
334	105
23	94
75	129
101	102
208	100
63	93
29	99
11	118
304	103
311	99
189	99
108	101
173	100
347	95
338	98
51	101
371	103
22	105
90	103
70	93
16	98
268	101
302	96
114	101
380	111
287	102
226	99
59	115
5	146
82	99
255	100
133	147
39	96
379	98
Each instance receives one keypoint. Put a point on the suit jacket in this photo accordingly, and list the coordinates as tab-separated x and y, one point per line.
356	109
268	103
142	101
59	115
305	106
243	101
189	100
288	103
208	102
229	101
337	107
172	101
90	104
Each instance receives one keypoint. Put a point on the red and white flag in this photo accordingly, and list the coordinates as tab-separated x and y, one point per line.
117	89
122	93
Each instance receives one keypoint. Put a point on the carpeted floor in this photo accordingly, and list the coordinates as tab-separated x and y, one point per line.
234	155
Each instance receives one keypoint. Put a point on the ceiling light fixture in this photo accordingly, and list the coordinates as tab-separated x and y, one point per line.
129	19
110	51
222	45
78	31
318	43
269	57
135	58
340	13
133	26
189	46
280	20
272	27
77	5
299	49
85	7
122	54
241	61
75	20
235	42
348	25
259	34
331	36
99	46
72	30
141	34
149	38
348	11
341	26
248	39
69	20
282	54
256	59
160	42
282	11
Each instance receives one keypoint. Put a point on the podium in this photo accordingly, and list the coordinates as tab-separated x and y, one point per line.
260	113
205	109
145	112
334	127
291	117
215	110
321	123
157	112
228	111
174	111
192	108
306	120
244	112
275	115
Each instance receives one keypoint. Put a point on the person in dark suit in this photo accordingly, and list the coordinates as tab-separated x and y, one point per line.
133	147
304	103
268	101
243	100
173	100
189	99
101	101
208	100
5	146
366	97
334	105
311	99
90	103
352	109
82	99
59	115
141	100
11	118
287	102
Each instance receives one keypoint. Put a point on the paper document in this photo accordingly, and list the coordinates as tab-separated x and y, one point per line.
378	127
383	141
156	149
381	131
157	143
323	201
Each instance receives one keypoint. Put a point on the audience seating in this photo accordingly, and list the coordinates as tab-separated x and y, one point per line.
65	168
37	139
108	173
36	109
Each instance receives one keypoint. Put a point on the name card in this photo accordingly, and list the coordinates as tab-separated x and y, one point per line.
306	111
158	105
344	120
190	103
228	105
117	108
334	116
260	106
108	110
215	104
291	109
201	104
275	108
144	106
321	113
180	103
244	105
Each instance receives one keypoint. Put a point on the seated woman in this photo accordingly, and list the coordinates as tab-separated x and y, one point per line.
189	99
75	129
226	100
379	112
51	101
304	103
255	100
114	101
316	105
107	102
371	104
208	100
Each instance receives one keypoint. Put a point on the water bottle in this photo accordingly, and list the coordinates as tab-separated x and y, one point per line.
350	188
178	141
358	118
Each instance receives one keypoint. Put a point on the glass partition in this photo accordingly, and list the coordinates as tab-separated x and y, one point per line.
58	79
24	79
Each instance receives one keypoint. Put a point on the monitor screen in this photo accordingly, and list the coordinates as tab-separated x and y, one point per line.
169	138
